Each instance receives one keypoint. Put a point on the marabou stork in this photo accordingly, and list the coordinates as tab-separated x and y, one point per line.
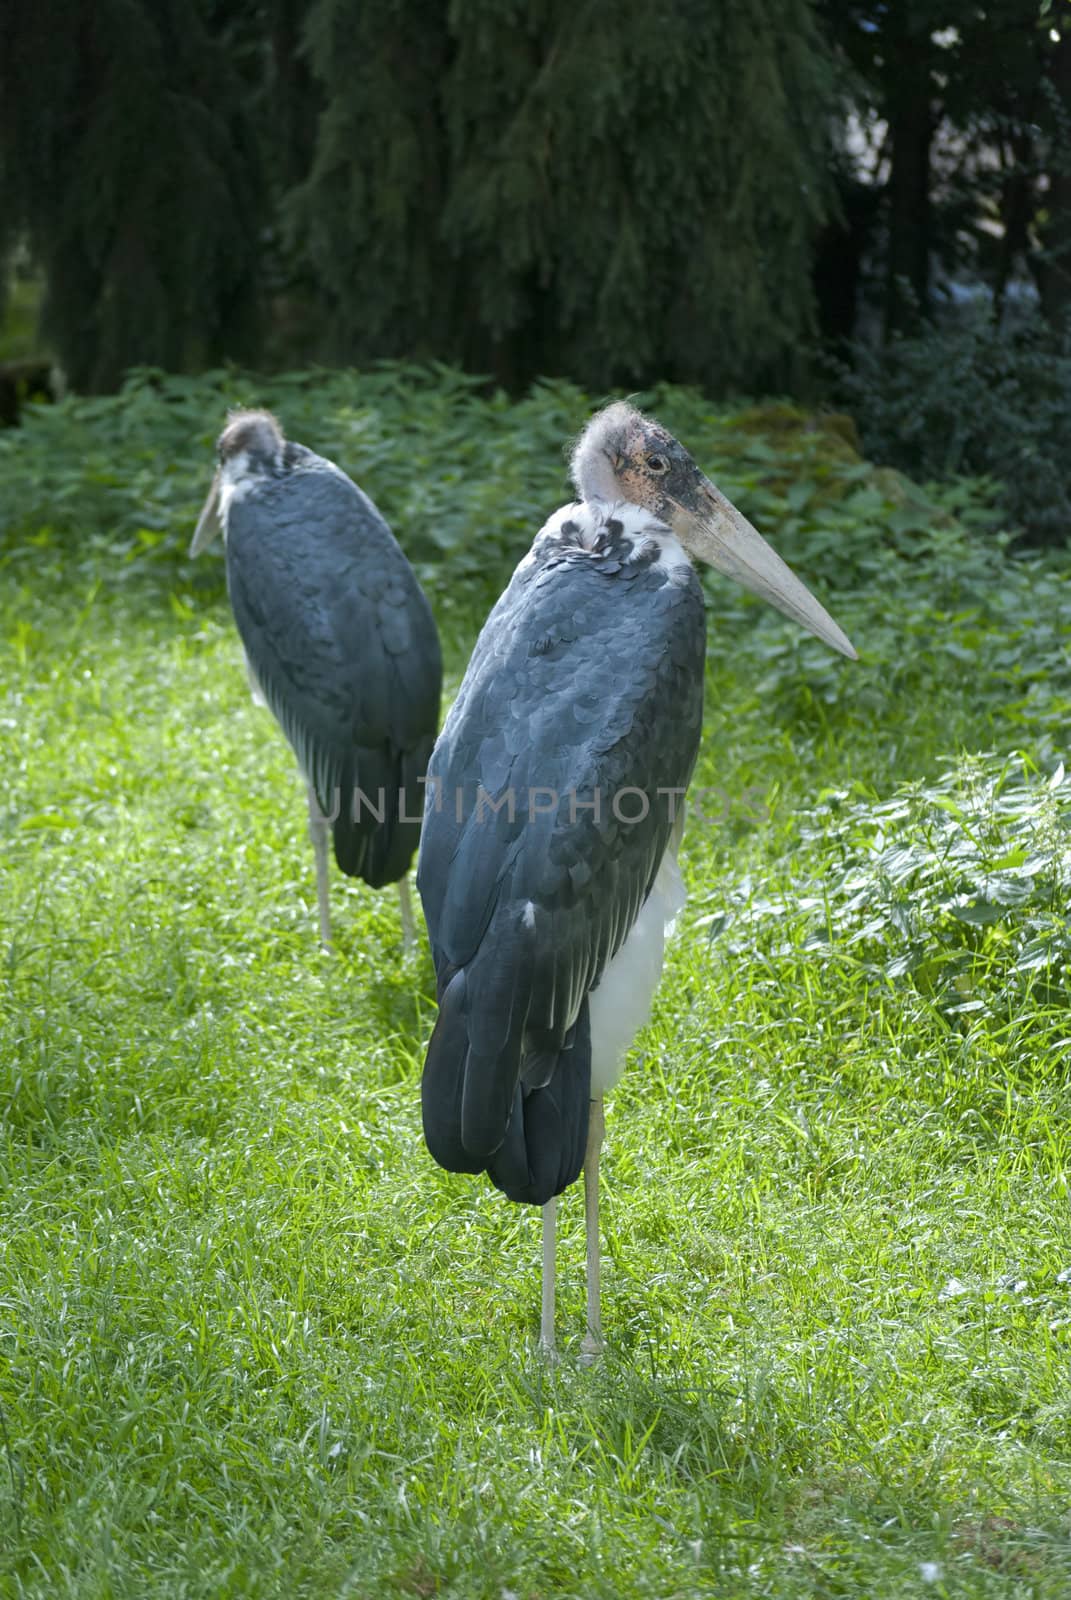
553	817
339	641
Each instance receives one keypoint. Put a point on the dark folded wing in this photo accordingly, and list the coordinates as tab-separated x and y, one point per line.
583	699
337	631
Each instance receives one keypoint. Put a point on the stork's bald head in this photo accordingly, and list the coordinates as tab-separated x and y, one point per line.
255	434
623	455
250	446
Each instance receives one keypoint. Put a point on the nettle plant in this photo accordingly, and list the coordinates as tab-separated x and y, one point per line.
959	886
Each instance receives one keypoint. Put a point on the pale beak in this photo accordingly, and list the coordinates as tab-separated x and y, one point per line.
208	522
714	531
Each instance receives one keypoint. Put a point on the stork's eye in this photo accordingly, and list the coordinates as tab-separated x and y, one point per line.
658	463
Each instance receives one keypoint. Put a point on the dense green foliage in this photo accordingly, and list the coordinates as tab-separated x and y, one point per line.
607	191
128	156
617	193
463	471
256	1344
964	112
970	396
956	183
610	191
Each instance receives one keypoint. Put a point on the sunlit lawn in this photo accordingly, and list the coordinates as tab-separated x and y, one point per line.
256	1344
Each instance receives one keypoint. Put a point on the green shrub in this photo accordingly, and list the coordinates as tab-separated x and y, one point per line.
956	885
969	398
465	477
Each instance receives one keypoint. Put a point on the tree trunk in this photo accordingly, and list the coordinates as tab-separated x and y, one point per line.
1054	268
294	101
1017	205
907	289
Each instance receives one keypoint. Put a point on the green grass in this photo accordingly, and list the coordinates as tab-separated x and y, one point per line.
254	1343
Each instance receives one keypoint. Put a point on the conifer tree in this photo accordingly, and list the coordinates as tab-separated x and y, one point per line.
617	190
128	161
367	222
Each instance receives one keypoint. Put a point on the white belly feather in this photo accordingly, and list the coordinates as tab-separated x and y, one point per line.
622	1002
254	687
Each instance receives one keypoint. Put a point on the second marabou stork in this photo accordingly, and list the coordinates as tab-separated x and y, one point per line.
548	866
339	641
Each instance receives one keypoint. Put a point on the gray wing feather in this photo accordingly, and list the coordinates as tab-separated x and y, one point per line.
336	628
587	677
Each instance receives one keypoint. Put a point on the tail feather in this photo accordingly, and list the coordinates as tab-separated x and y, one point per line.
442	1087
392	846
543	1150
480	1115
378	843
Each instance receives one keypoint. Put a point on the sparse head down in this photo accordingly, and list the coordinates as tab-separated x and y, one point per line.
624	456
251	444
255	434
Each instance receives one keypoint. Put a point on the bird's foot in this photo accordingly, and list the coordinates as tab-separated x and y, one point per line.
548	1350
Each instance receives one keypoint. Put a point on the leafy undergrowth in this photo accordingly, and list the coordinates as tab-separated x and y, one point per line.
254	1343
960	886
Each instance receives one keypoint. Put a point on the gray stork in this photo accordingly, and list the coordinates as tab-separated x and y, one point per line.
339	641
548	865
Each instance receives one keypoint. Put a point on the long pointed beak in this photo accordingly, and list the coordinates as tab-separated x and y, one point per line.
208	522
715	532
